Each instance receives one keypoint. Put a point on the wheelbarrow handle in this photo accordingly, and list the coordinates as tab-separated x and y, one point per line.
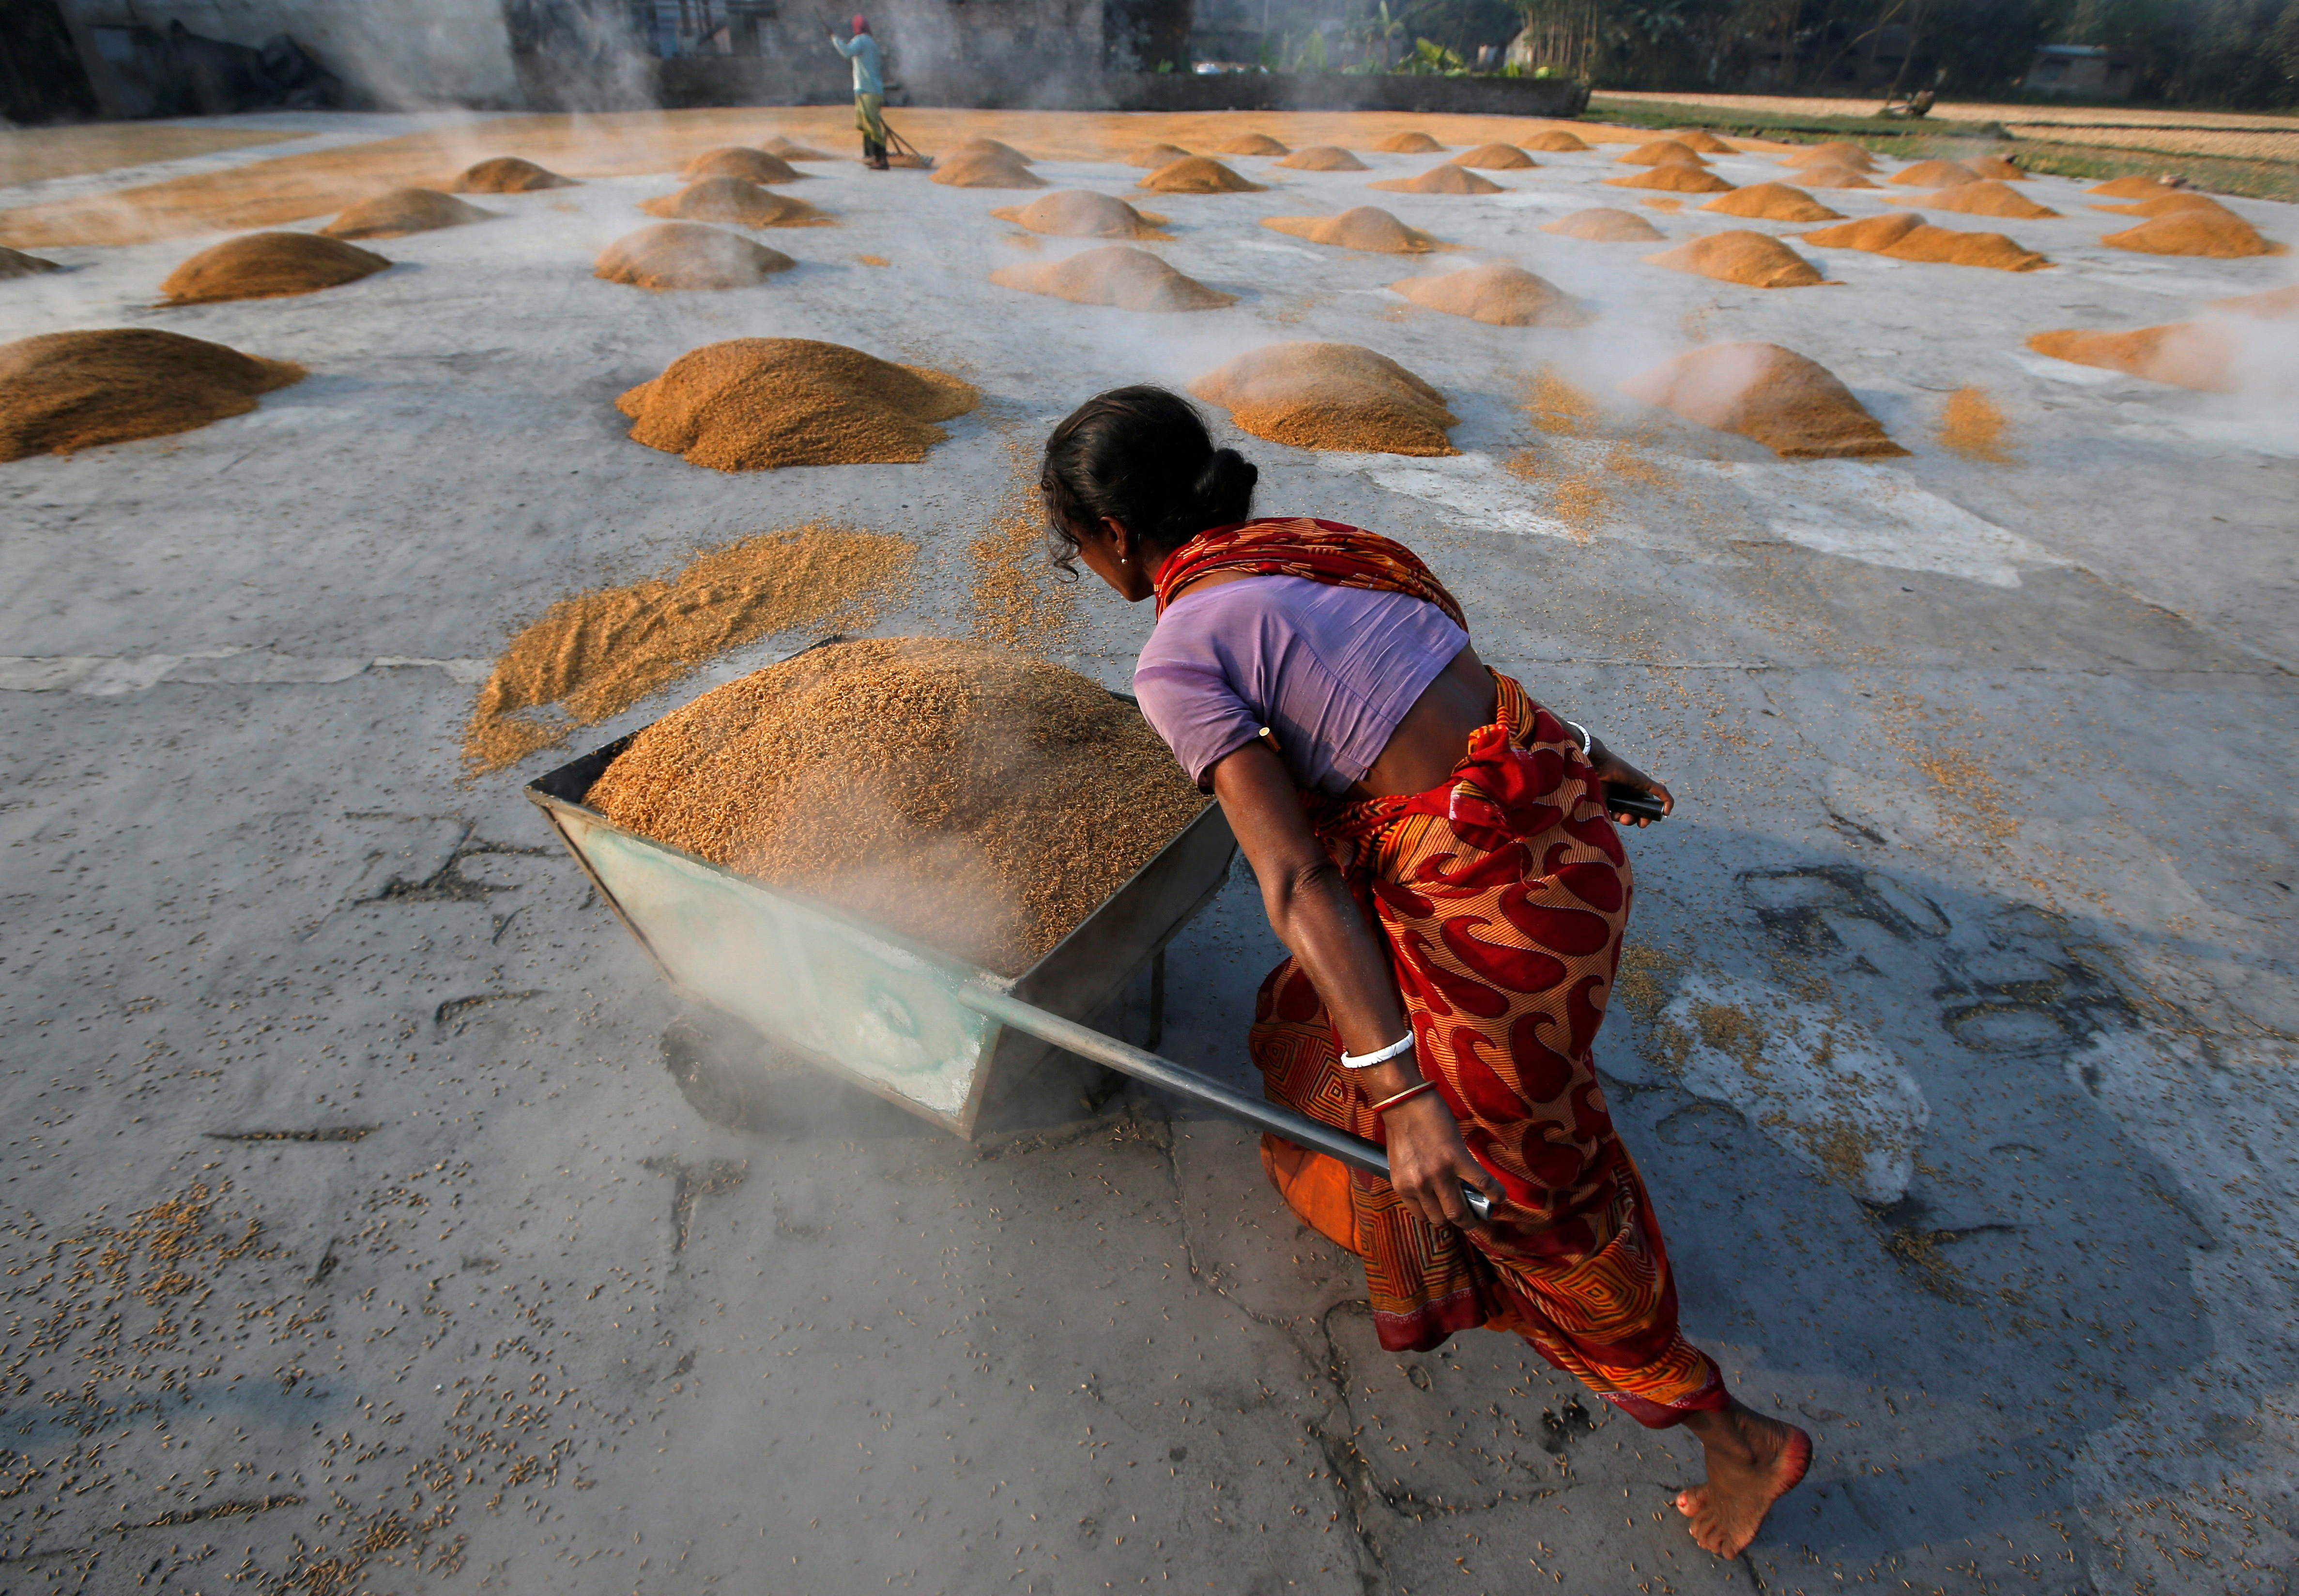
1144	1066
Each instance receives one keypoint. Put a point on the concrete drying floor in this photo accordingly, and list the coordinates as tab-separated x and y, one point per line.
358	1239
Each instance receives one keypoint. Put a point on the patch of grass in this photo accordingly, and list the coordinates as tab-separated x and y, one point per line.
1924	140
1771	124
2215	174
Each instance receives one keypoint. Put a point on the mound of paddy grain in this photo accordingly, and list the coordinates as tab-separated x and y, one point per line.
982	169
2131	187
969	797
1663	151
1667	207
686	254
1197	174
507	174
1831	177
1252	144
1910	237
2187	354
1366	228
1414	142
1702	140
2272	304
404	211
1836	152
1971	425
997	149
594	654
1331	396
269	266
1983	197
1934	174
60	391
1441	179
1079	213
1874	234
2183	199
1997	167
790	149
736	200
2218	235
1556	140
1131	279
1156	154
1605	224
1323	157
736	161
757	404
15	262
1503	295
1496	157
1674	179
1753	260
1793	406
1773	202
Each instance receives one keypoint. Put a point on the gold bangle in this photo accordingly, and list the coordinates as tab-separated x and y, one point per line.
1407	1095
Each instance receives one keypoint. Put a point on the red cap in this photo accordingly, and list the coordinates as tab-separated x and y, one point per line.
861	23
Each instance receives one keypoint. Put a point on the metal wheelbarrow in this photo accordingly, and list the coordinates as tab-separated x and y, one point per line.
917	1026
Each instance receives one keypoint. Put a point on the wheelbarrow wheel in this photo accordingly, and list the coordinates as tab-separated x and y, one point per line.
738	1080
723	1076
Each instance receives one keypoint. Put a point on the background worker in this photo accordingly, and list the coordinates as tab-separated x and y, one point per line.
869	89
1434	847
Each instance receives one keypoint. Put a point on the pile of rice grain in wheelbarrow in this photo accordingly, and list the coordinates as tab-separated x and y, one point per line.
969	797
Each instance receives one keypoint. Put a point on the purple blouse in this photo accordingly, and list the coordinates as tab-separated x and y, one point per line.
1329	670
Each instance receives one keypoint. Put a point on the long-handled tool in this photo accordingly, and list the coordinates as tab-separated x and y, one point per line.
1087	1043
900	151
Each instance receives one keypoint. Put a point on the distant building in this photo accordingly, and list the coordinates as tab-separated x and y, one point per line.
418	53
2091	70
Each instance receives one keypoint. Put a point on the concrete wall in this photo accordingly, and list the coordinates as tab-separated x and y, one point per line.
1019	53
739	80
387	52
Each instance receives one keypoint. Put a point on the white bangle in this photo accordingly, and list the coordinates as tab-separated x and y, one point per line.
1587	741
1403	1044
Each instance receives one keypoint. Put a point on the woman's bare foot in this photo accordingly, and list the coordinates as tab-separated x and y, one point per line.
1753	1461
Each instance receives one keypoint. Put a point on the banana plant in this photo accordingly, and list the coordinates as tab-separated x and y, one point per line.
1376	33
1431	59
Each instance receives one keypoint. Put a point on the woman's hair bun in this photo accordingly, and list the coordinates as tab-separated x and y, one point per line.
1224	490
1141	456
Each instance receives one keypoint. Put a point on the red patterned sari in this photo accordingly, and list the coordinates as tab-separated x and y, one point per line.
1503	896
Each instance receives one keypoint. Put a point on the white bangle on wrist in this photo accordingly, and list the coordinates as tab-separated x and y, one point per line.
1587	741
1403	1044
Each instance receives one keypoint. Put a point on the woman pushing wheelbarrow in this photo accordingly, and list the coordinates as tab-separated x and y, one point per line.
1438	851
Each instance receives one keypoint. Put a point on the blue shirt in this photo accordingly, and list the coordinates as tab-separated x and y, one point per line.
863	51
